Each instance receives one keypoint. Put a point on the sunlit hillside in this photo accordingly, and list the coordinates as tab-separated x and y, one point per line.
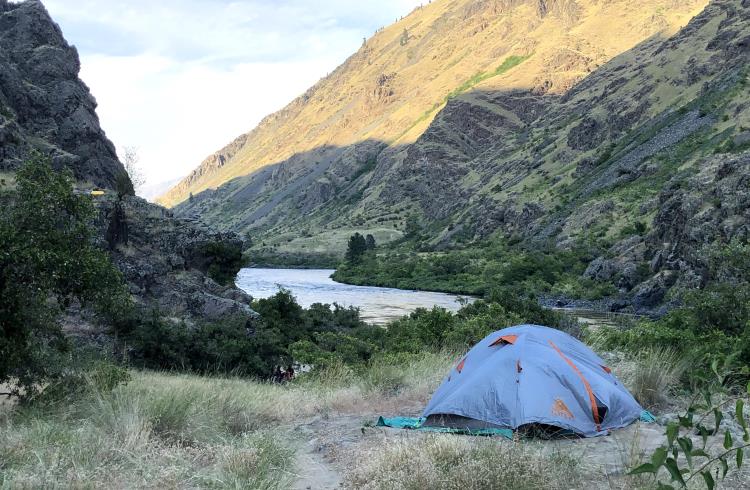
389	91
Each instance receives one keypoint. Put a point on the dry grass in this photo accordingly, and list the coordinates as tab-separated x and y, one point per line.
652	375
158	431
183	431
450	462
177	431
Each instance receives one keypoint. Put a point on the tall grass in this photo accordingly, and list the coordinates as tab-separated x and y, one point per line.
178	430
182	431
450	462
652	375
159	430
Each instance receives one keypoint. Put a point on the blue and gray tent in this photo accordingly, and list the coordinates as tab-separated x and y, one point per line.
532	376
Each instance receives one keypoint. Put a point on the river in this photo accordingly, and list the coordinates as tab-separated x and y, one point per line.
377	305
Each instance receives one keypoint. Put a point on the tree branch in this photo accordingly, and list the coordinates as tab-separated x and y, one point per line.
715	459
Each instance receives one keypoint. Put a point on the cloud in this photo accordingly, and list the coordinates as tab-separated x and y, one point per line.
179	79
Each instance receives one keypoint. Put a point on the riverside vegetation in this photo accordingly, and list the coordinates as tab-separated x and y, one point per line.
101	420
562	172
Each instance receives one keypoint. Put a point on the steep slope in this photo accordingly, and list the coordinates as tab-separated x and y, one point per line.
43	104
387	93
45	107
647	157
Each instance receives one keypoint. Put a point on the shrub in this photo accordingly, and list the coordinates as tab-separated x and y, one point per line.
356	248
47	263
223	261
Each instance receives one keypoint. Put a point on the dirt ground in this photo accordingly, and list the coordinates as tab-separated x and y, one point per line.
330	446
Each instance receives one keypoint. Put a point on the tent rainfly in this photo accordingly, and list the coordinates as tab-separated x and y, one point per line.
529	375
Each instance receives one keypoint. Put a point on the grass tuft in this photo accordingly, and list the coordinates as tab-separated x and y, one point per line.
450	462
652	375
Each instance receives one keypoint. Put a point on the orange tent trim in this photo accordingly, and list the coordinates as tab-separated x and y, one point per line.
505	339
460	366
592	398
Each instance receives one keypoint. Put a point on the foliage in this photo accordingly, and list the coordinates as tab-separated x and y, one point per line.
680	459
428	330
222	261
130	160
478	269
234	346
295	260
370	241
86	375
404	39
324	335
712	322
48	262
157	343
356	248
509	63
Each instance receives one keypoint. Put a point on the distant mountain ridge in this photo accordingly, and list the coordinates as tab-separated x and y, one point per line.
387	94
647	156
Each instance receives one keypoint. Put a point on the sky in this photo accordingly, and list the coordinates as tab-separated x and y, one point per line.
180	79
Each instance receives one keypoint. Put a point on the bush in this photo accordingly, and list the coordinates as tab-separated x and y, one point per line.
713	323
47	263
222	261
87	378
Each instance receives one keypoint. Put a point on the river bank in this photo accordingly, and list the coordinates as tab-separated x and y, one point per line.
377	305
381	303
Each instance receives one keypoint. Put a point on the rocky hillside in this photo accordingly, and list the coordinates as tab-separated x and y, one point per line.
44	106
646	156
388	93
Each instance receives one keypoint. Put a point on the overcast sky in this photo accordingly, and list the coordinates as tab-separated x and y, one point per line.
179	79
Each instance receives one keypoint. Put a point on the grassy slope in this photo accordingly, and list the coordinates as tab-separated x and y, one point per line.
166	430
177	431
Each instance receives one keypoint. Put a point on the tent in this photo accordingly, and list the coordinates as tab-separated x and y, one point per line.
530	376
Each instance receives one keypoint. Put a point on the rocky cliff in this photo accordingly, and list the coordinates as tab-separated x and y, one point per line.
44	106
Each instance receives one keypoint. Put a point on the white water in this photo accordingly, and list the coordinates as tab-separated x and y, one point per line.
377	305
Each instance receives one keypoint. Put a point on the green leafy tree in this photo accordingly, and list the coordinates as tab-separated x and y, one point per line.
413	228
370	241
356	248
48	262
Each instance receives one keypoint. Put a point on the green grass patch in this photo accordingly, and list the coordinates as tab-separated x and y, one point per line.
509	63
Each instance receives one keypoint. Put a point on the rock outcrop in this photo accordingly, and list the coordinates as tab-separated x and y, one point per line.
44	106
166	261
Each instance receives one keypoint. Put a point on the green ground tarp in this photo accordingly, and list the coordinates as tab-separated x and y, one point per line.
415	423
